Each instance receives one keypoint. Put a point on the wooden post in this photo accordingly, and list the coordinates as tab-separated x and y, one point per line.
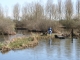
72	35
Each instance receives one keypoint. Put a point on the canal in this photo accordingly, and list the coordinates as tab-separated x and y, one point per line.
50	49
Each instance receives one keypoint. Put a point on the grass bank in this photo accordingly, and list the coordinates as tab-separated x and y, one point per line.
19	43
23	42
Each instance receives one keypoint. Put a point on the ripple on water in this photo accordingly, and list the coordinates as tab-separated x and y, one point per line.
47	50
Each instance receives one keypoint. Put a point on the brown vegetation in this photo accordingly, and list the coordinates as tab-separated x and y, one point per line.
7	26
34	16
19	43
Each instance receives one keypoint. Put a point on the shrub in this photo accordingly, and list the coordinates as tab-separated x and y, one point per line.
68	23
6	25
41	25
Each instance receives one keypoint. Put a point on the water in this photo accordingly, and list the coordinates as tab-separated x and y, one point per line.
50	49
20	33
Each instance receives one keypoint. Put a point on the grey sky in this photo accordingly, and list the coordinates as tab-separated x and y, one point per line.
8	4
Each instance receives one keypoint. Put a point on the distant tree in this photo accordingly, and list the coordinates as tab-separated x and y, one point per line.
51	10
6	11
39	11
27	11
27	15
31	10
68	9
24	12
1	12
16	11
6	25
60	9
78	8
55	12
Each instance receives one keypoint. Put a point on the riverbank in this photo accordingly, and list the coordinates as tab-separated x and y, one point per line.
18	43
23	42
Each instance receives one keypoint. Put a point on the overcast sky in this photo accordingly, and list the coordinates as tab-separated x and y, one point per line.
8	4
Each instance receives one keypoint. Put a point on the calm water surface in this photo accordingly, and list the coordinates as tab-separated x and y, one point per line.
50	49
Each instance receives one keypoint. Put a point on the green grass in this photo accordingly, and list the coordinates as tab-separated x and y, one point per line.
24	41
19	42
46	37
1	45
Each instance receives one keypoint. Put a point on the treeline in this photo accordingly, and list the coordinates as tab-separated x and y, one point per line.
35	16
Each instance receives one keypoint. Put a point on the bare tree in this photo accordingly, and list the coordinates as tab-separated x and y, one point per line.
68	9
78	8
55	11
6	11
1	12
24	12
27	11
60	9
39	11
31	11
49	8
16	11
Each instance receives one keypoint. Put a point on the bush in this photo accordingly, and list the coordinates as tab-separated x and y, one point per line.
6	25
41	25
68	23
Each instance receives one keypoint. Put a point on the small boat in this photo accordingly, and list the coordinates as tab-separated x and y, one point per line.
59	36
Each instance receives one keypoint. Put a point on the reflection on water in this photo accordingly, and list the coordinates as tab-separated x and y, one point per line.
51	49
3	38
20	33
9	37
